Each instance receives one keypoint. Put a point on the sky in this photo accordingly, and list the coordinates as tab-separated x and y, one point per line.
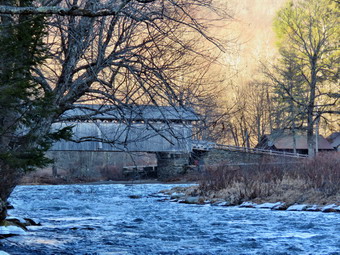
252	26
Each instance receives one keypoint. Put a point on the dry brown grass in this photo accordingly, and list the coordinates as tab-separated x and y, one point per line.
303	181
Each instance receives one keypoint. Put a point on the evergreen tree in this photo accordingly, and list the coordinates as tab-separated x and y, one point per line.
23	103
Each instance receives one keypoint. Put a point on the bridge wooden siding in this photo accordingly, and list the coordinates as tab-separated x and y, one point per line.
139	137
134	128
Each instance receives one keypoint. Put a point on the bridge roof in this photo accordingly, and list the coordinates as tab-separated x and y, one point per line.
130	112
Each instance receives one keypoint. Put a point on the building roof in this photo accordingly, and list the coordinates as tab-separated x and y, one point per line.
130	112
334	139
286	142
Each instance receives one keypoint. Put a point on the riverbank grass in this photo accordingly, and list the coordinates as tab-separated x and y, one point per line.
306	181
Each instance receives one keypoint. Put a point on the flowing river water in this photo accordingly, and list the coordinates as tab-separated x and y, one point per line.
131	219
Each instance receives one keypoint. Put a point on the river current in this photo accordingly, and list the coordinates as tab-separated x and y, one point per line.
133	219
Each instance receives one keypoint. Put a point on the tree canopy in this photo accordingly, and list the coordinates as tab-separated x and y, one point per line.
308	35
55	53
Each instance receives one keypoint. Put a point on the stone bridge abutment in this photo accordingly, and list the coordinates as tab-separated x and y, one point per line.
220	156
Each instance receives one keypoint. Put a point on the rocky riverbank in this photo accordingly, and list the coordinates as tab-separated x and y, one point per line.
305	185
193	195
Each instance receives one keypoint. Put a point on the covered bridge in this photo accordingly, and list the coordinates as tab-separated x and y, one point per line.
143	128
106	136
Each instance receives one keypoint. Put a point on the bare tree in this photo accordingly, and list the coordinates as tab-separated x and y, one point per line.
250	114
308	34
111	52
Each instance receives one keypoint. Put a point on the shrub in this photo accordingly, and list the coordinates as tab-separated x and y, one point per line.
258	180
111	173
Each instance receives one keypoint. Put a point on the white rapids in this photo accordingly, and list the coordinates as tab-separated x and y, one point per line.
131	219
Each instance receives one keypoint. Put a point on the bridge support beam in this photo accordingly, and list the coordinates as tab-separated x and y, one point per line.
170	165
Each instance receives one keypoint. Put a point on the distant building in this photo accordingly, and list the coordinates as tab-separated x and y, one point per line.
285	142
334	140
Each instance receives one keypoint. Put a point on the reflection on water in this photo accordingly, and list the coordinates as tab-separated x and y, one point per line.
103	219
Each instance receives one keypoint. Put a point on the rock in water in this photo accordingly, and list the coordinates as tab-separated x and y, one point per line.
330	208
248	205
177	195
272	206
297	208
192	200
135	196
313	208
6	231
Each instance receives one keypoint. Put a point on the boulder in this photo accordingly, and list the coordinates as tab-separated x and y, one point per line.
280	206
9	205
177	195
248	205
330	208
274	206
3	210
192	200
218	202
16	219
135	196
11	230
32	222
13	226
297	207
225	203
23	222
313	208
337	208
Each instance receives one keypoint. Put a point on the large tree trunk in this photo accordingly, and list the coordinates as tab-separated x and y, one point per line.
310	109
310	142
310	128
10	176
9	179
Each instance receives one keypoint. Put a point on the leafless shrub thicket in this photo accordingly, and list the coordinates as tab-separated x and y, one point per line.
111	173
320	174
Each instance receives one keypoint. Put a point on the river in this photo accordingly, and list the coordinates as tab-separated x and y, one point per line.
129	219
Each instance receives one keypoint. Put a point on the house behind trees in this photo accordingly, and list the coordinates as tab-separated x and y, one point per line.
334	140
286	142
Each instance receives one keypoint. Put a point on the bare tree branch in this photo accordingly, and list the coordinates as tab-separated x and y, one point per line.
108	10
